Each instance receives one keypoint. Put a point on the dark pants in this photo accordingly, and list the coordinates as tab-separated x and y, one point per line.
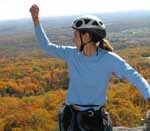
88	120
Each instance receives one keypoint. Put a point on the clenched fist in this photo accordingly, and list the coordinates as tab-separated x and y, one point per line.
34	10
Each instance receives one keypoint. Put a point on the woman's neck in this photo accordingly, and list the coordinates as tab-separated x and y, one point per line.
89	49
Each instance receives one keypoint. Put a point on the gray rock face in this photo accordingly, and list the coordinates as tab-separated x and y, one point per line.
128	129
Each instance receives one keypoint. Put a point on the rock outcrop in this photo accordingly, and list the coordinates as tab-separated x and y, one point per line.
128	129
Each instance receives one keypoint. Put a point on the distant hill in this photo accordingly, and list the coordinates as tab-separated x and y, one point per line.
25	25
125	29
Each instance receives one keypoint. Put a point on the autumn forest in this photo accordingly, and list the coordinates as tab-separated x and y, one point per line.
33	85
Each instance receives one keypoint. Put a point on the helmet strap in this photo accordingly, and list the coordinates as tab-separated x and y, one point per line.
82	44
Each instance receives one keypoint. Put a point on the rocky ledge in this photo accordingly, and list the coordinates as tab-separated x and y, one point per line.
128	129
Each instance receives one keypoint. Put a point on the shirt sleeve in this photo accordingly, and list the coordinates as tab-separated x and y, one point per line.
123	70
54	50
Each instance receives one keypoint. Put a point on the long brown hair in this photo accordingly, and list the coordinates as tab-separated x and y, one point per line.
95	37
105	44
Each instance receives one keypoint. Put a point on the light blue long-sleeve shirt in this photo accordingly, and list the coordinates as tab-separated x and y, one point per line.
89	76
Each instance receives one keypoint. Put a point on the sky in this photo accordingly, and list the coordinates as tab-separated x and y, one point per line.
17	9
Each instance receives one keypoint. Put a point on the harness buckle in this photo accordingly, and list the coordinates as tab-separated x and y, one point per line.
90	113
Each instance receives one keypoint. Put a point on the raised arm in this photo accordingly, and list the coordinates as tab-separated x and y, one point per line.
62	52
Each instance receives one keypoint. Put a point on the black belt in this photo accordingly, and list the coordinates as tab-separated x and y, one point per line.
87	105
76	108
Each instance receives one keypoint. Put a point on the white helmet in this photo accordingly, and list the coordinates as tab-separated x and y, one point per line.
90	23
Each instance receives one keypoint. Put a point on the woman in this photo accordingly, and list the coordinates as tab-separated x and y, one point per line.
91	64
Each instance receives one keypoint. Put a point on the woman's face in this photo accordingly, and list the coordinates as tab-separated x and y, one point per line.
77	39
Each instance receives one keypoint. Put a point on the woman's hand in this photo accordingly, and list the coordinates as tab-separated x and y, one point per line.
34	10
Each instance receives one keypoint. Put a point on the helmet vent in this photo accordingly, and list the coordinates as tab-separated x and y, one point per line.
86	21
94	23
101	23
79	23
